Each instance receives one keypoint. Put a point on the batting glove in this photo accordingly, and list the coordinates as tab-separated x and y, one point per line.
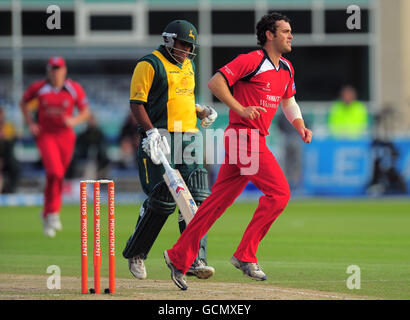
153	143
210	117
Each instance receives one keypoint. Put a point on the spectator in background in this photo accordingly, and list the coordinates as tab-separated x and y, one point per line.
9	167
53	132
348	117
292	151
128	141
91	146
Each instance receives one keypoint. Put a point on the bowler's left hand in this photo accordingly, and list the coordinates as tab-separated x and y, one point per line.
69	122
305	134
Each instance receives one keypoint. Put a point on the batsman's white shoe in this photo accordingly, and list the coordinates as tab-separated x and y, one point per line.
54	221
249	269
47	228
137	267
176	275
200	270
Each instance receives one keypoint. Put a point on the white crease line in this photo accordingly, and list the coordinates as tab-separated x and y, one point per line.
315	294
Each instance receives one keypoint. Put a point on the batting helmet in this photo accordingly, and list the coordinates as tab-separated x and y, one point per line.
180	30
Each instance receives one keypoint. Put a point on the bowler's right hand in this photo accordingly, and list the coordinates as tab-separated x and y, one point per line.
153	143
34	129
252	112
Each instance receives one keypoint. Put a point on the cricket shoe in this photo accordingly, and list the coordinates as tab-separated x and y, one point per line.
200	270
54	221
137	267
176	275
48	230
249	269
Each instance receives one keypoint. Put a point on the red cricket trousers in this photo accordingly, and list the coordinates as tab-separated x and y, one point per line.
56	150
232	179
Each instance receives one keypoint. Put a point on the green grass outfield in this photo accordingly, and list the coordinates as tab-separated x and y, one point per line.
310	246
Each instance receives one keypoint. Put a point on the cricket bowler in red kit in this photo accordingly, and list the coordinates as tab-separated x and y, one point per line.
261	80
53	132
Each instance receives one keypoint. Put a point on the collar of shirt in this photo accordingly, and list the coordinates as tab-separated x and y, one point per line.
64	87
165	53
267	56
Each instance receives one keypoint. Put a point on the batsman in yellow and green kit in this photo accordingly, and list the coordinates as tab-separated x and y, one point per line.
162	100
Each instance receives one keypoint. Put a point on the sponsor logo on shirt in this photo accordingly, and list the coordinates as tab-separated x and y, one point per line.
270	101
138	92
186	91
229	71
184	81
273	98
138	95
53	110
267	87
184	88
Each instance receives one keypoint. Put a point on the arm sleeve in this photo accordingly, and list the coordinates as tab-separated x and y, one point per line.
238	68
81	100
31	91
291	88
291	109
141	82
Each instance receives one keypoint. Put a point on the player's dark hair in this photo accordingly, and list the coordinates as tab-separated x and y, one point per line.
268	22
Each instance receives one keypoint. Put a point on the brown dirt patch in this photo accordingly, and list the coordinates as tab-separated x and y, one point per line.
34	287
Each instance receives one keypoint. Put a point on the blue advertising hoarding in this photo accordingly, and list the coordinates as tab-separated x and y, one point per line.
345	167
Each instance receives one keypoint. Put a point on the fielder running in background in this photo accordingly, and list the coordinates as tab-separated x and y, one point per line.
162	100
53	132
261	80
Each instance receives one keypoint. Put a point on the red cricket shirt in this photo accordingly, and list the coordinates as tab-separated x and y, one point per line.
257	81
55	104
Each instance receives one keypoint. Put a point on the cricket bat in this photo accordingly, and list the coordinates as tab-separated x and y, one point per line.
179	190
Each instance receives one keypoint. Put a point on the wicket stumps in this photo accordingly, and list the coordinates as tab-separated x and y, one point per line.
97	237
